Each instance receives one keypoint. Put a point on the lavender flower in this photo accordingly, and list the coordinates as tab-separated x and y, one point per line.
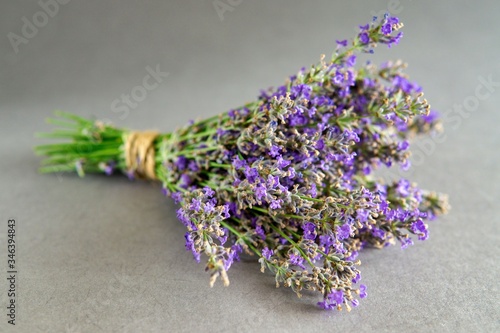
288	177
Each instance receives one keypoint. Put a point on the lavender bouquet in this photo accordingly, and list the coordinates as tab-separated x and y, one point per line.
288	177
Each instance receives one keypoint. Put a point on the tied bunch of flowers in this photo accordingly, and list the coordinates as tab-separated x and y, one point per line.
288	177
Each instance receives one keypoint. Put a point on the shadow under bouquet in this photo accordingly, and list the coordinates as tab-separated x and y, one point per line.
287	178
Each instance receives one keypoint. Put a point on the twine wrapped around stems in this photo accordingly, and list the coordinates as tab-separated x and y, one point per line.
140	153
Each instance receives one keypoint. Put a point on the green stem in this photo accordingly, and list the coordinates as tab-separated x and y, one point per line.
242	237
295	245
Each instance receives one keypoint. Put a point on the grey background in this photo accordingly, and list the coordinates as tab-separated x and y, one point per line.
102	254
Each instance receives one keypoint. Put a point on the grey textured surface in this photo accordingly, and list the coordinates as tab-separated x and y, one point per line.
106	255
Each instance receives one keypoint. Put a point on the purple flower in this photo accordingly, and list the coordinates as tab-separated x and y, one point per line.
405	165
362	291
275	204
351	60
193	166
297	260
351	136
392	19
338	78
363	38
260	231
164	191
232	256
273	181
225	211
353	256
209	207
349	81
326	240
301	91
379	233
431	117
267	253
195	205
364	27
419	227
311	112
181	163
403	145
320	144
332	300
251	174
177	196
236	249
309	231
185	219
381	189
274	151
343	232
342	43
221	132
238	164
232	114
395	40
403	187
386	28
185	181
297	120
400	82
282	163
417	194
223	239
236	182
109	168
313	191
208	191
362	215
233	209
190	246
405	242
260	192
337	297
325	305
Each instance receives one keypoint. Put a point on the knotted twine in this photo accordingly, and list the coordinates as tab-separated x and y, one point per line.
140	154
